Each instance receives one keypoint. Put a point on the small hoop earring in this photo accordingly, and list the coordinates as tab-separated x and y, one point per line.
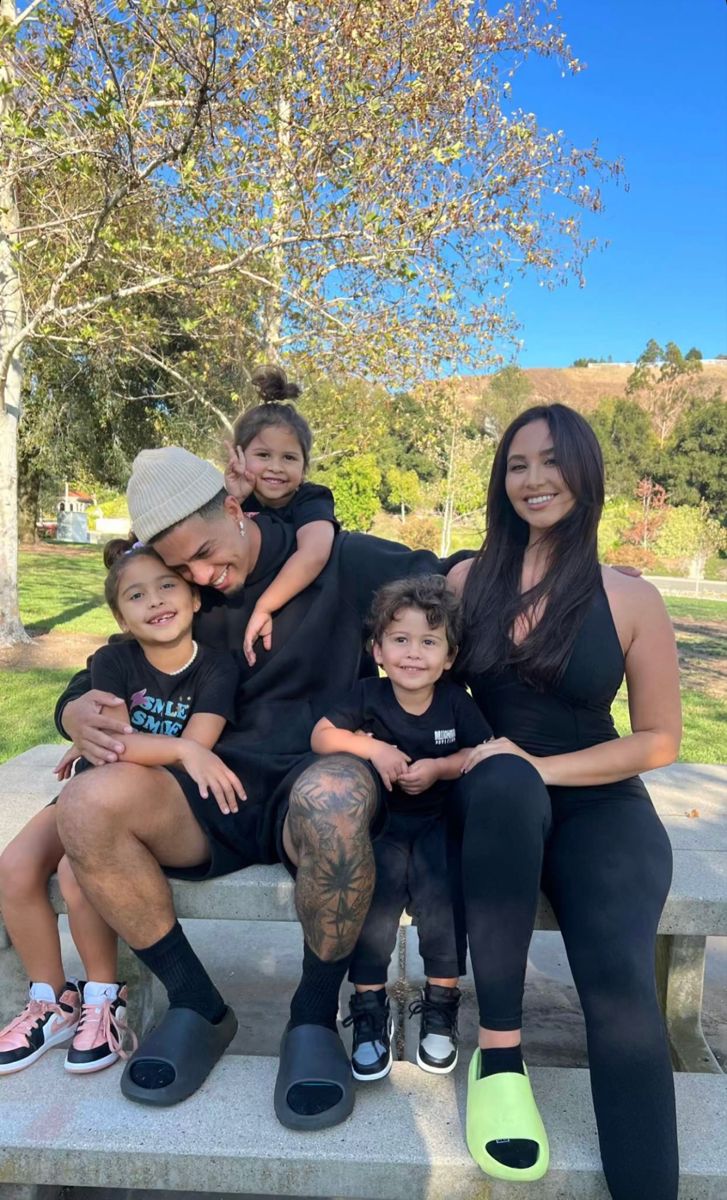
241	525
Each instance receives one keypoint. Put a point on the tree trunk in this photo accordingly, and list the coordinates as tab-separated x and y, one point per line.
11	629
449	500
29	481
280	199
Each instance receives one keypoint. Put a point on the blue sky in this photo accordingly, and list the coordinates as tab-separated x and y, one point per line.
654	95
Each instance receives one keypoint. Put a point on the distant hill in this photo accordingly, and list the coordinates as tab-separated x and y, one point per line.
583	387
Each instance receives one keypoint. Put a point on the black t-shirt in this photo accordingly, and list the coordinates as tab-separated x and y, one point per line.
452	722
162	703
316	653
311	502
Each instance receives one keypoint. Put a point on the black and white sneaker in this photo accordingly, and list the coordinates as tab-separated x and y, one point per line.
373	1029
437	1050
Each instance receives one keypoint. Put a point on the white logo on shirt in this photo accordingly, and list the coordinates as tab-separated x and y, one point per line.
444	737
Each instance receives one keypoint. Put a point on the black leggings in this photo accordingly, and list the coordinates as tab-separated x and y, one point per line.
603	859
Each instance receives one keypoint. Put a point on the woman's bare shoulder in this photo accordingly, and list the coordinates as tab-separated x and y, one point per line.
632	595
635	605
633	587
458	575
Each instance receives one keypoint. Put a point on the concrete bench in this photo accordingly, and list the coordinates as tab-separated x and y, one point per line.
80	1132
405	1137
696	907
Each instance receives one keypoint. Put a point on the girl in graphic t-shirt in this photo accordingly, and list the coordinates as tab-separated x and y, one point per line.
182	694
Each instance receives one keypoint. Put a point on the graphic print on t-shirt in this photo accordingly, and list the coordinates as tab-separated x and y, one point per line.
445	737
153	714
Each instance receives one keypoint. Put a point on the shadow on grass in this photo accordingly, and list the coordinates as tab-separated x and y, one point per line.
36	628
703	658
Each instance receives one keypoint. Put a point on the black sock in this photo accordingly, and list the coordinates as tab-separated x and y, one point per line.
316	998
188	985
501	1058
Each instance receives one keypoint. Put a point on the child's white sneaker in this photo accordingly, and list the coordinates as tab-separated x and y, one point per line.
44	1022
102	1029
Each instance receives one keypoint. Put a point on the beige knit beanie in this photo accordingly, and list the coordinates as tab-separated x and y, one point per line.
167	485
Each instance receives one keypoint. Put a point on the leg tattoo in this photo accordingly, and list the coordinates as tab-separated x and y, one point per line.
331	807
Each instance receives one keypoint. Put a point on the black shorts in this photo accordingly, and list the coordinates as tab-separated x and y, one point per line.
254	834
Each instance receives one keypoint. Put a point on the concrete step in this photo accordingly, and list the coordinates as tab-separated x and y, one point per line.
404	1139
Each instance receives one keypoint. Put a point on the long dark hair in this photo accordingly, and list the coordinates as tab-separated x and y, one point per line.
274	388
493	601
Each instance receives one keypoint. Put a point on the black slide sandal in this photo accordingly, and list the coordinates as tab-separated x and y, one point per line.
176	1058
315	1075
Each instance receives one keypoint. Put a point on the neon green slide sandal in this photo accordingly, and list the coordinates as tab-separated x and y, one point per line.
501	1115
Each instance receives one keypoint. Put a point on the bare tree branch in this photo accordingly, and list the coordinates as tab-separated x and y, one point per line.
189	387
23	16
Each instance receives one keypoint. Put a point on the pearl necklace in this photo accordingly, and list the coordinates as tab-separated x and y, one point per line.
188	662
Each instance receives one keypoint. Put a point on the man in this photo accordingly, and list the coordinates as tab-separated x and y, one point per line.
125	826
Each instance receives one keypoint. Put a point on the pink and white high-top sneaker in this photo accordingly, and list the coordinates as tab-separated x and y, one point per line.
102	1030
44	1022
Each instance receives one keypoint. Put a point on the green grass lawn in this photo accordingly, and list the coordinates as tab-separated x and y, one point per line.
61	590
29	698
697	609
703	739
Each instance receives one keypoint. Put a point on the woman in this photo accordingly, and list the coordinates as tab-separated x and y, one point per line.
554	801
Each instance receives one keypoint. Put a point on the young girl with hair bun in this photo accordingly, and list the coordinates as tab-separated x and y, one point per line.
182	694
266	473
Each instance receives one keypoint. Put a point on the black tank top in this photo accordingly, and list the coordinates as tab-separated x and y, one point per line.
574	713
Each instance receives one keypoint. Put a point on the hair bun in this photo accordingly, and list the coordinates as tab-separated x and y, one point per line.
273	385
114	549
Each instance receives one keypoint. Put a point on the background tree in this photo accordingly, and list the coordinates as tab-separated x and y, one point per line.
361	170
423	533
403	490
446	434
664	383
347	415
689	535
356	483
653	510
620	514
627	441
380	128
509	394
88	408
411	442
98	112
695	467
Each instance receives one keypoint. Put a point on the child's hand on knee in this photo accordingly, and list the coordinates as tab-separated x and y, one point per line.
211	775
